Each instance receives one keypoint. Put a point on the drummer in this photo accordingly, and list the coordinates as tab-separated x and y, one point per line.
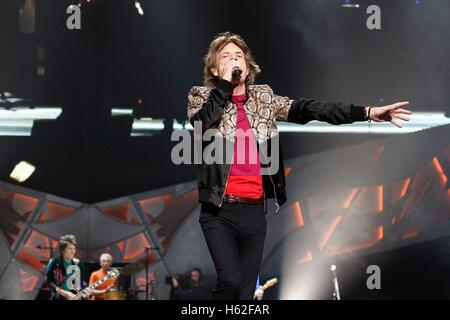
106	261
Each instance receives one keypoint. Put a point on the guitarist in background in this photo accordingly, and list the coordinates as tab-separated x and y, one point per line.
66	273
106	261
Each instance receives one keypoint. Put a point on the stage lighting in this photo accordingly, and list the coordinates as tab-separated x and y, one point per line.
22	171
350	5
137	4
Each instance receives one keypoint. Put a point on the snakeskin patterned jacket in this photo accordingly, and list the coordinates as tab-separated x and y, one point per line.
212	107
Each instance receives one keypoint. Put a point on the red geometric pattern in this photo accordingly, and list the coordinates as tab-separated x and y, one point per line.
28	282
55	211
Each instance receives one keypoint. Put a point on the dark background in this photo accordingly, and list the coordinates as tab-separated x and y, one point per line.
314	49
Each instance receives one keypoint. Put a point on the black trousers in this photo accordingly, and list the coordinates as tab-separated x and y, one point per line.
235	235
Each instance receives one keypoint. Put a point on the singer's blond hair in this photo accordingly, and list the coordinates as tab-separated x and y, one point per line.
211	58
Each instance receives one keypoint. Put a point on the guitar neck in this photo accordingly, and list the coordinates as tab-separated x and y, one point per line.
96	284
99	282
268	284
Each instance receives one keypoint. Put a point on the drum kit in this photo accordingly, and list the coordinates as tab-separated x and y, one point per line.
131	293
115	294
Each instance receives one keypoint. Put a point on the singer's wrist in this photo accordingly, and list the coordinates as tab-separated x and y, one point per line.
225	86
367	114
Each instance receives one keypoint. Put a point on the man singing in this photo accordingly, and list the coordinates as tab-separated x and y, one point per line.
233	192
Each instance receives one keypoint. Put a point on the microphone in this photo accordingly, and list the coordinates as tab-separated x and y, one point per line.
236	73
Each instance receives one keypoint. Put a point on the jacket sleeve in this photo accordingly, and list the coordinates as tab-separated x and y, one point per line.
208	109
304	110
50	279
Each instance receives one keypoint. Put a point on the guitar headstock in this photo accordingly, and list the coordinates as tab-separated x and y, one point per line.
112	273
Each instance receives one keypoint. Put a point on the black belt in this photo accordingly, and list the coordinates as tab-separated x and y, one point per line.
237	199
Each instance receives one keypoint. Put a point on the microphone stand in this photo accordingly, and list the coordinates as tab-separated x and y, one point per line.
336	295
146	267
46	248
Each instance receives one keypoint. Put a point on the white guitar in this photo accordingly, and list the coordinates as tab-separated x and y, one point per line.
111	274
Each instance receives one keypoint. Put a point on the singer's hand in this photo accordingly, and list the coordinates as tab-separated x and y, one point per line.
391	113
227	71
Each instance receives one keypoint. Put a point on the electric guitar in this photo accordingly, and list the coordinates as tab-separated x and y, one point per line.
261	289
111	274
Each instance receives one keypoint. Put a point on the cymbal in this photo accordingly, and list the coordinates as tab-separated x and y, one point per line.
133	268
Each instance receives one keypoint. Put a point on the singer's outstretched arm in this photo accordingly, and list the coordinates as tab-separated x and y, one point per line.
304	110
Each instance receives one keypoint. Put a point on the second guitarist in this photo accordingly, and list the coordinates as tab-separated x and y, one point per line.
66	273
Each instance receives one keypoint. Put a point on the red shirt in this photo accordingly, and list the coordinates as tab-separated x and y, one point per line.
245	175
